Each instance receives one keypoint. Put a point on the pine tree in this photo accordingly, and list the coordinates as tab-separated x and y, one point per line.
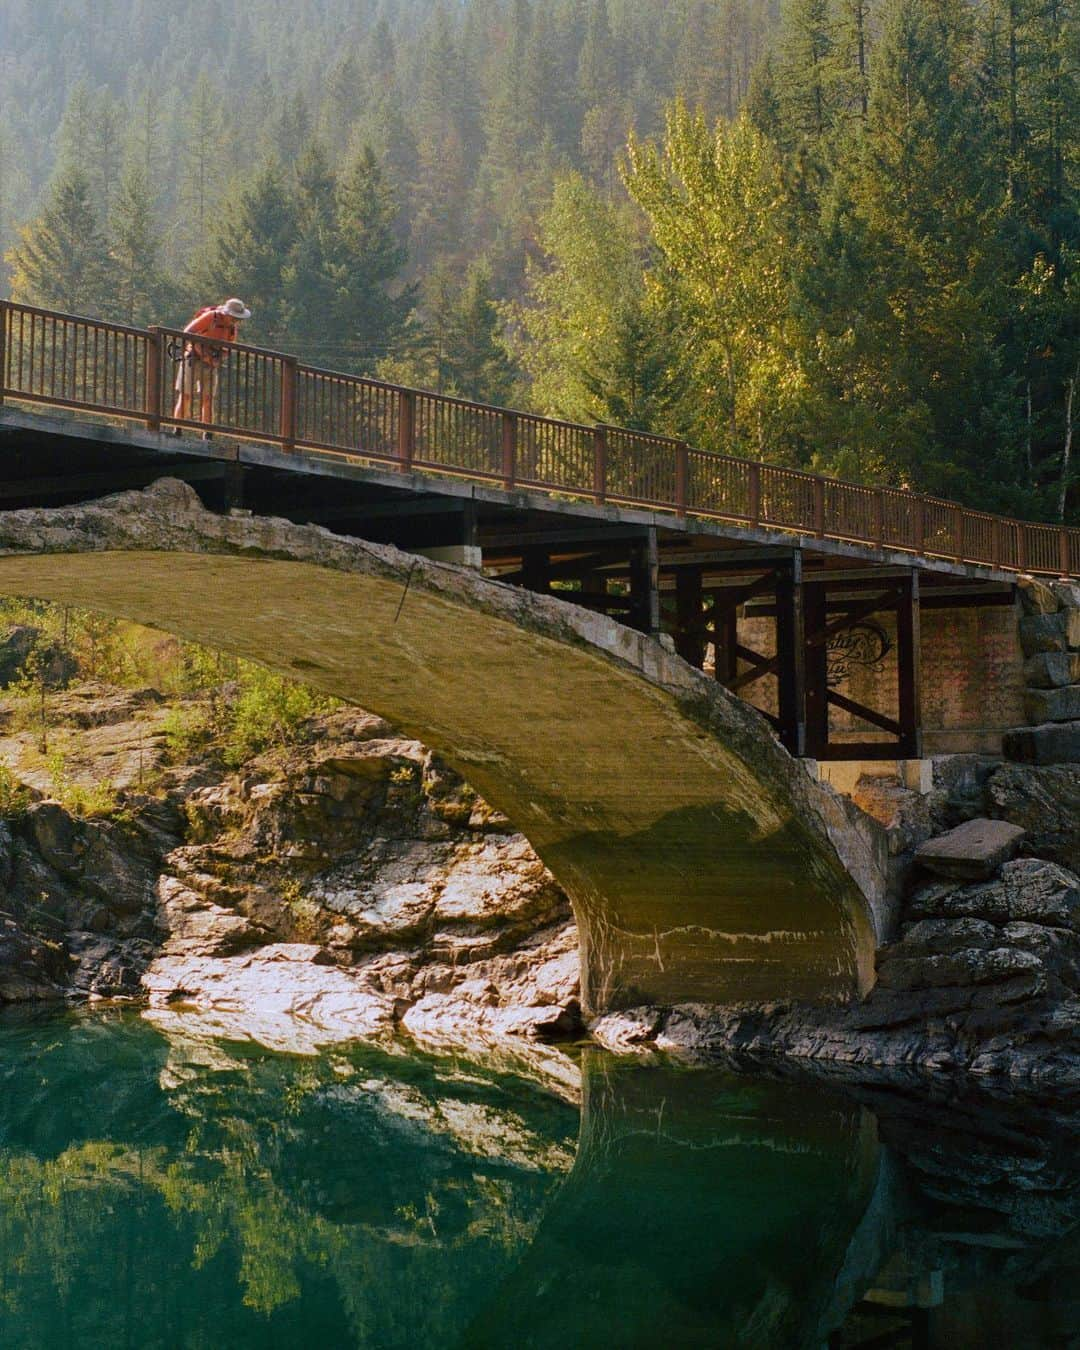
251	240
476	361
75	133
809	73
202	156
106	151
597	74
369	310
142	294
310	273
61	260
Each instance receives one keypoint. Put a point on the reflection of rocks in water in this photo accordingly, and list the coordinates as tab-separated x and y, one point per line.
163	1192
987	1213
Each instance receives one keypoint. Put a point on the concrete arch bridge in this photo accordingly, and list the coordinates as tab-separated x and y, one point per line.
703	861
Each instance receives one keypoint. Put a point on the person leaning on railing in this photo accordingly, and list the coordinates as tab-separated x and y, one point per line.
199	364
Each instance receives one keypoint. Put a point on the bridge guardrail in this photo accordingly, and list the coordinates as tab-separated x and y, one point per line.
69	361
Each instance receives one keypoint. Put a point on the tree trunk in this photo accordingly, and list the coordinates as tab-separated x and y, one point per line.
1066	454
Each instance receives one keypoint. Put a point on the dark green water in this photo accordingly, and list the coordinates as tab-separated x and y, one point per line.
176	1191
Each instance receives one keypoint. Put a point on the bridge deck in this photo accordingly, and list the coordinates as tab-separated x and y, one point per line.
271	399
649	531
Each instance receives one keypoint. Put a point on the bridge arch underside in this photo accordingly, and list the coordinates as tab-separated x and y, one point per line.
702	862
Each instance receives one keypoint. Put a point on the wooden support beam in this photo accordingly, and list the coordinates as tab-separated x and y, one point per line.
1003	599
470	534
791	656
876	719
725	637
592	536
645	584
908	656
233	487
567	568
731	597
817	671
534	569
689	625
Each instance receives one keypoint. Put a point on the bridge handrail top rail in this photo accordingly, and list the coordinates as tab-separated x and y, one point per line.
204	340
68	317
762	467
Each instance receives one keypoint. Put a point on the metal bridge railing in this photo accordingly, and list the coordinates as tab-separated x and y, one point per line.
63	360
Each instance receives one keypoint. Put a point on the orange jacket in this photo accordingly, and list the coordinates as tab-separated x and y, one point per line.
211	323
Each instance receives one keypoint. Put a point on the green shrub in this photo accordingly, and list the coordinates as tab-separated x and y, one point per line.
97	799
268	710
14	796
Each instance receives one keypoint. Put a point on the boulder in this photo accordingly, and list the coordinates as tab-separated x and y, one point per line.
968	966
57	836
1050	632
934	937
972	851
1050	743
1037	597
1045	802
1053	705
1051	670
1028	890
1067	594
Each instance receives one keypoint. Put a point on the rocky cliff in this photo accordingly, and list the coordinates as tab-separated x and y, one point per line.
345	885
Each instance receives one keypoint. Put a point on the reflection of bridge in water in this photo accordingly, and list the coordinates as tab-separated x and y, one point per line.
701	863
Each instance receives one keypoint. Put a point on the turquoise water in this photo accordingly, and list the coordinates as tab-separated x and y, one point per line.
172	1190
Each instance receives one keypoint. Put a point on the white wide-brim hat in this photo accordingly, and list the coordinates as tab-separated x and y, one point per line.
236	309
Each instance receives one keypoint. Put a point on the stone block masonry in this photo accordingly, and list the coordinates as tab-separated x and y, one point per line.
1050	637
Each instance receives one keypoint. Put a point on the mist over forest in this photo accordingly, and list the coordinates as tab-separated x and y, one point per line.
840	234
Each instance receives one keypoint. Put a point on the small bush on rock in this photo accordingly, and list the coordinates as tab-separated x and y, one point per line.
268	710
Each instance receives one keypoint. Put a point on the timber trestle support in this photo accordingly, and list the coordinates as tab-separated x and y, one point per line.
795	643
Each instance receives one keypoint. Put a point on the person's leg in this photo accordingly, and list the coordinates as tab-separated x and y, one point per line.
184	385
207	375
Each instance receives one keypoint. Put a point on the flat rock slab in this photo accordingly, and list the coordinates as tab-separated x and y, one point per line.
973	851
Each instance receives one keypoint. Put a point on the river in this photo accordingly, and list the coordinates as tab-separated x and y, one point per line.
160	1187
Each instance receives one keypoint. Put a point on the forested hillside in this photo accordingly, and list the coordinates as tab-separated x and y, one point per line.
838	233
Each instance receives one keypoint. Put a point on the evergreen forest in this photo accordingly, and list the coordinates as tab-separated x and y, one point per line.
837	234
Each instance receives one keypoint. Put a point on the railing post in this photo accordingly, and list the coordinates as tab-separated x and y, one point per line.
600	463
4	312
406	429
152	394
288	403
995	552
920	526
879	517
509	448
1063	553
958	532
682	478
1021	547
819	508
753	508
